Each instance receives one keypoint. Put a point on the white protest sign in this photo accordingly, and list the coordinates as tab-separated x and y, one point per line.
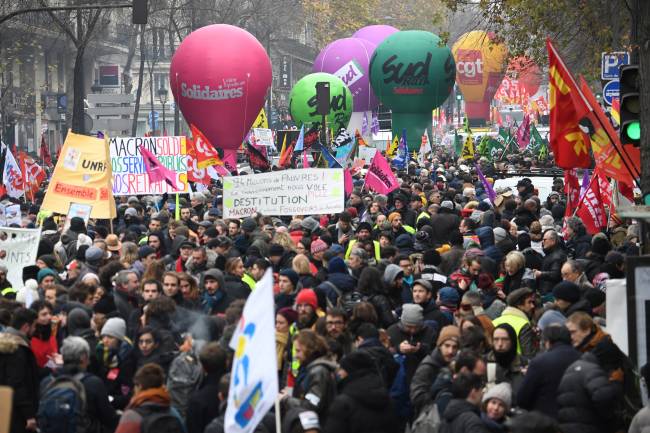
77	210
367	153
12	214
263	136
18	248
129	173
290	192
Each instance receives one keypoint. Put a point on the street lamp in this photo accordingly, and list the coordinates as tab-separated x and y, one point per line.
162	95
459	98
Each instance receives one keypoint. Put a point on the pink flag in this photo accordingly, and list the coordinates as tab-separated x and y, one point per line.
305	161
156	170
523	133
221	170
230	160
380	177
348	185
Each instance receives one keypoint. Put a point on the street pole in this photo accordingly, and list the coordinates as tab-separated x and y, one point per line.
153	120
164	126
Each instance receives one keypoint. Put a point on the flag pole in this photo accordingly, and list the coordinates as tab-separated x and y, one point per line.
278	420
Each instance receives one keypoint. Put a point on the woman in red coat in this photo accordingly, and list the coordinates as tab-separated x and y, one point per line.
44	343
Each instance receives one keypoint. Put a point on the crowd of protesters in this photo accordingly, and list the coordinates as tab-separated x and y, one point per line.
431	305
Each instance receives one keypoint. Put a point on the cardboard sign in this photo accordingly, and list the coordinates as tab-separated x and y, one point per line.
263	137
129	174
18	248
77	210
289	192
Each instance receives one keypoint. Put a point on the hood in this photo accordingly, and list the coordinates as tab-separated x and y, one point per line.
68	237
456	407
78	320
391	273
323	361
337	265
210	261
367	389
178	240
10	340
344	282
218	275
486	236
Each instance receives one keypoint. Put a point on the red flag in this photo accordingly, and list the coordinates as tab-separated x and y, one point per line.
591	210
285	157
45	152
156	170
606	143
33	174
568	107
256	159
605	186
305	161
572	191
348	183
194	173
206	154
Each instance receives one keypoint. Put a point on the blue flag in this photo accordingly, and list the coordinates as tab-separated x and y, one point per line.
331	161
301	140
402	157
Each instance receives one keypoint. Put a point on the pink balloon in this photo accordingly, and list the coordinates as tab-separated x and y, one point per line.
375	34
220	75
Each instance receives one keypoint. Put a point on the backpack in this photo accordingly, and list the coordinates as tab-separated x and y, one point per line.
348	300
184	377
428	421
62	407
158	419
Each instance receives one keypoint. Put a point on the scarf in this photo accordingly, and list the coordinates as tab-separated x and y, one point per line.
281	340
158	396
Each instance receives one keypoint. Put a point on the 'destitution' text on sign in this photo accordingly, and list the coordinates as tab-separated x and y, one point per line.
290	192
129	173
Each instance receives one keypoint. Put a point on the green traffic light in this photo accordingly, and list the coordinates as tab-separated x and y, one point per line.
633	130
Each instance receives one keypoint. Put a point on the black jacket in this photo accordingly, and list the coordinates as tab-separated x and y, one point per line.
462	416
362	406
385	361
18	370
202	407
423	379
579	246
236	288
538	391
551	270
586	398
315	387
426	337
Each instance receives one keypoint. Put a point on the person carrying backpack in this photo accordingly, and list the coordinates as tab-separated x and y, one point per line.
150	411
73	400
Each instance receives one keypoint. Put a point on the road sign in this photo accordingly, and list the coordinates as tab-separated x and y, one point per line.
611	91
610	62
153	124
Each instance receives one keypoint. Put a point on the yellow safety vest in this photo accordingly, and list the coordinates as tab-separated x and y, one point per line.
354	241
422	214
249	280
409	229
516	322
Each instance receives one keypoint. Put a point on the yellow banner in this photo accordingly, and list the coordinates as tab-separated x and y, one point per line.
82	174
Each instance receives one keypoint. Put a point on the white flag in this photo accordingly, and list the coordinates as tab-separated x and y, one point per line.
12	175
254	376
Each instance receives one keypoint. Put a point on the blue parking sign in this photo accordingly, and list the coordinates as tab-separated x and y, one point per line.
610	62
611	91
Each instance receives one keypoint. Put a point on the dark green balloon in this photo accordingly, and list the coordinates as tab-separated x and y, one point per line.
412	72
302	101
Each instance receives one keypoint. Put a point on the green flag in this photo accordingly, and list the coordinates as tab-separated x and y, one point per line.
536	140
458	143
483	148
466	127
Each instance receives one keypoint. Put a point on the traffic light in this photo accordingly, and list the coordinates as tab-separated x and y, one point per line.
140	12
630	105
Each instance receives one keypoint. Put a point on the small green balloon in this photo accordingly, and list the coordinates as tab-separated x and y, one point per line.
412	71
302	101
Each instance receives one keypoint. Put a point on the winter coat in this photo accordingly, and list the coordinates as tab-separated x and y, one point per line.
425	336
538	390
18	370
216	303
338	276
462	416
147	401
641	422
315	387
117	370
362	406
197	271
486	236
513	374
451	260
443	223
432	313
579	246
235	287
386	364
423	379
551	270
201	408
586	398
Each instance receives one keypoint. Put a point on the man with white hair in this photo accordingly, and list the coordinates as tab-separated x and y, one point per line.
76	358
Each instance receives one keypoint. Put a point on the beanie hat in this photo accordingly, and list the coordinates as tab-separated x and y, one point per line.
502	392
517	297
310	224
499	234
447	204
567	291
290	274
94	254
318	246
412	315
44	273
550	317
131	212
248	225
77	225
424	283
307	296
449	297
49	224
288	313
28	294
393	215
115	327
144	251
449	332
358	360
276	250
364	226
431	257
595	297
105	305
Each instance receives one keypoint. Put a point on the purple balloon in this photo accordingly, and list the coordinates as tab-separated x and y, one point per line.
349	59
375	34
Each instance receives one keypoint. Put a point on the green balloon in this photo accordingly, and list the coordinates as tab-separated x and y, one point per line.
302	101
412	72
